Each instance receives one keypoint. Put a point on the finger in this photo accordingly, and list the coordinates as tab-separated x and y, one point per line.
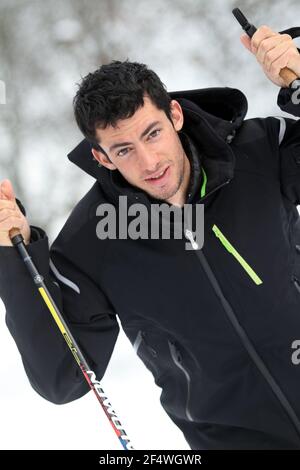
4	204
7	190
263	32
268	44
281	62
246	41
11	222
275	54
5	213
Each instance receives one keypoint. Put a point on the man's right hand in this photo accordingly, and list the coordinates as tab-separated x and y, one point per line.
11	215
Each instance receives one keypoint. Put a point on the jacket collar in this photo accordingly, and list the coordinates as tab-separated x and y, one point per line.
195	158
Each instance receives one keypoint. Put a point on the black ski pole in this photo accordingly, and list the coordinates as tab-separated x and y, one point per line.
286	74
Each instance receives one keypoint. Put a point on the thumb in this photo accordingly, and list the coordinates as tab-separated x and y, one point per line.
6	190
246	41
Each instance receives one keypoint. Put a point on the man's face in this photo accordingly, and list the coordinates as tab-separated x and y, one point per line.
147	151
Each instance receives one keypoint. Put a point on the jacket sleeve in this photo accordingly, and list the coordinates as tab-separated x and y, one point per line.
48	362
288	134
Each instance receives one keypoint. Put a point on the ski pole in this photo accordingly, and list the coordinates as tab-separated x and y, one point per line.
286	74
18	241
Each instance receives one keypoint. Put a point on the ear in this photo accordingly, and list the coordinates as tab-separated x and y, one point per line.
177	115
102	158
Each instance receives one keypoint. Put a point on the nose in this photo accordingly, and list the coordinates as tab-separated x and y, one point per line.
148	161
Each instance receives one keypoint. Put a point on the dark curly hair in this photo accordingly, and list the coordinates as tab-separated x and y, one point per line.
115	91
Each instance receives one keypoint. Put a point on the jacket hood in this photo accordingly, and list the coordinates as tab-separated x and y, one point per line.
211	118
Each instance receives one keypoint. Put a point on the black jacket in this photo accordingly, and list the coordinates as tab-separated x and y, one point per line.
214	326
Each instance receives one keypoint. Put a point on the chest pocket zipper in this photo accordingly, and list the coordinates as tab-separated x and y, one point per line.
257	360
255	278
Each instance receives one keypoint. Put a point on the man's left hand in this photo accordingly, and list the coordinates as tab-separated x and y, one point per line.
273	51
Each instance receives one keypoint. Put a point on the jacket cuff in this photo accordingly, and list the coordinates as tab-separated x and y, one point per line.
37	233
13	269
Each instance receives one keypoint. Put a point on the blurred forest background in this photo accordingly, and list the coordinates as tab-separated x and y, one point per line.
45	49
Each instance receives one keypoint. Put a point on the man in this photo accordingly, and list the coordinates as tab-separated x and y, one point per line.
215	324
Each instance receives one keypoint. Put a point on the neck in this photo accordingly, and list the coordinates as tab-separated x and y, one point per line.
180	197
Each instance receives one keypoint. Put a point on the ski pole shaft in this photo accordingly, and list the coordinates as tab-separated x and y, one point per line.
286	74
18	241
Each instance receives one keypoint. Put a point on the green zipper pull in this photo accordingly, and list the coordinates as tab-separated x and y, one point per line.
239	258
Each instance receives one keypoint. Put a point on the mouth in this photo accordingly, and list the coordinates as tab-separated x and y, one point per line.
160	179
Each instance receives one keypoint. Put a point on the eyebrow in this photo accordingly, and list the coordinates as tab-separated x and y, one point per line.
145	132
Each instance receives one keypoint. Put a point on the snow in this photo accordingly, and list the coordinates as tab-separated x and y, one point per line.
28	421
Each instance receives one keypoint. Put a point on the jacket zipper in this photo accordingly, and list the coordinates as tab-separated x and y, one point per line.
255	278
296	283
243	335
176	356
213	190
137	342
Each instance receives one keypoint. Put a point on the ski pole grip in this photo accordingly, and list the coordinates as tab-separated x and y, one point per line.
15	236
288	75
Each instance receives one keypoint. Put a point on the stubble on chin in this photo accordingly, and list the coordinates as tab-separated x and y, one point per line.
168	194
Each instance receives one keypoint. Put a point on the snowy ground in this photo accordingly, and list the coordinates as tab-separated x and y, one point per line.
30	422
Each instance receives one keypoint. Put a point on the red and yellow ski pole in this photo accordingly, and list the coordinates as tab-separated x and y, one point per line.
18	241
